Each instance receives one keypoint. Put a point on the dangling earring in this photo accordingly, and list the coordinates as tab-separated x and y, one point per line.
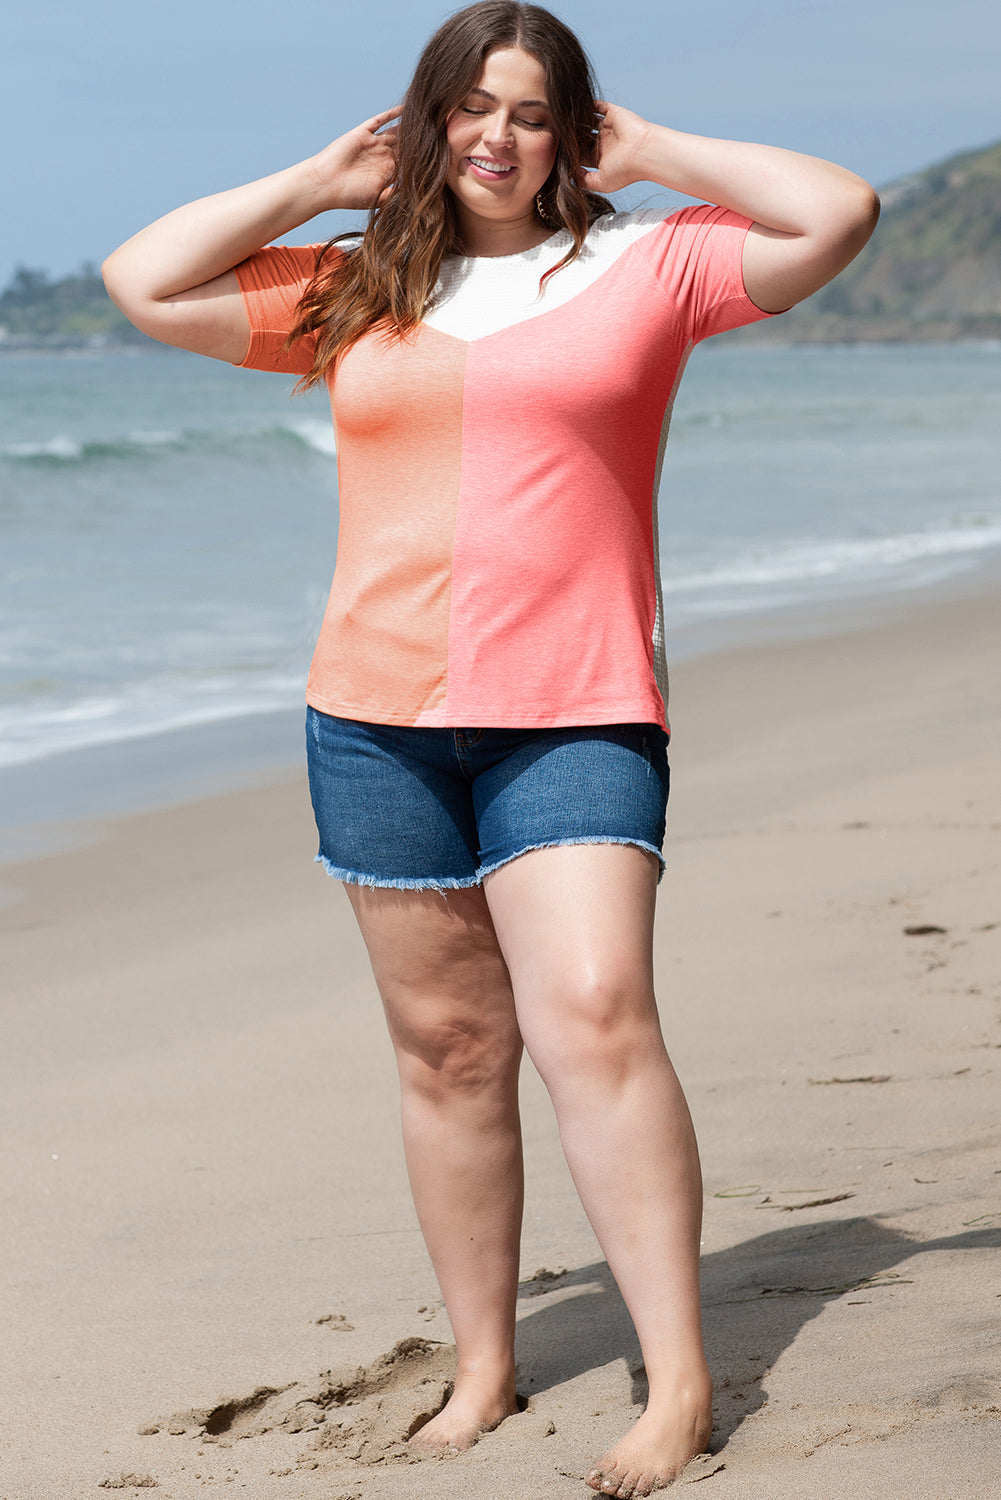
541	210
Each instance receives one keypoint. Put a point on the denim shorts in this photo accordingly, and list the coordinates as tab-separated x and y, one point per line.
437	809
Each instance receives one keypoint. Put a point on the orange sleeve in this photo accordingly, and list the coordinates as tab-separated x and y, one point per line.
272	282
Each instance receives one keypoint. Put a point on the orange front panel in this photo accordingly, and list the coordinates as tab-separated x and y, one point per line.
383	650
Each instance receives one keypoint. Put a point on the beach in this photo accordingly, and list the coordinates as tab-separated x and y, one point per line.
213	1275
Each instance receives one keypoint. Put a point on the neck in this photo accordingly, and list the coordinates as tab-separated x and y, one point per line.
486	237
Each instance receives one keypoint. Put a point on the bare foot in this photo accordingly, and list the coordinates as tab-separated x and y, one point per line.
653	1454
474	1407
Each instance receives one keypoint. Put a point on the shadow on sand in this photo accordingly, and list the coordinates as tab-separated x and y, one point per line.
756	1297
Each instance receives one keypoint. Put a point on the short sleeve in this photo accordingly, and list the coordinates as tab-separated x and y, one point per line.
697	255
272	281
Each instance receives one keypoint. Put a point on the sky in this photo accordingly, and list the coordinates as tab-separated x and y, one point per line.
113	112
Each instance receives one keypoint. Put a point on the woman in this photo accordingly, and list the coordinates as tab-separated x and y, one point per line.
487	722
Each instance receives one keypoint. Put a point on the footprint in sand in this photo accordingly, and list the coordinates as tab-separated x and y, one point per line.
365	1414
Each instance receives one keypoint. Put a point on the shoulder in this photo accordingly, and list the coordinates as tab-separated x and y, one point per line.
624	223
620	228
647	232
693	218
658	227
673	241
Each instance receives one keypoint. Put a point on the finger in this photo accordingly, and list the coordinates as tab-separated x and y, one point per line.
378	121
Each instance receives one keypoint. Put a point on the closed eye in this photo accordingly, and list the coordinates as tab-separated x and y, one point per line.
469	109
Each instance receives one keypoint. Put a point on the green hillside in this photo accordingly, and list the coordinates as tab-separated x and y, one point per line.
931	271
72	312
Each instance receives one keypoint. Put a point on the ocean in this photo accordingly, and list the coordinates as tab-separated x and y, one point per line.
168	524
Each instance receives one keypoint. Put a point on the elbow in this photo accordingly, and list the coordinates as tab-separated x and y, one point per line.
868	207
861	218
127	291
849	227
112	278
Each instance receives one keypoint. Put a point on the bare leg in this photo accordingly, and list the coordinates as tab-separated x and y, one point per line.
575	926
447	995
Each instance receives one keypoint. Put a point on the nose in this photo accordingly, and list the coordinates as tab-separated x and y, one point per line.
497	129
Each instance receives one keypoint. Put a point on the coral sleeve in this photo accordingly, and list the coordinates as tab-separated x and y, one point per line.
697	255
272	282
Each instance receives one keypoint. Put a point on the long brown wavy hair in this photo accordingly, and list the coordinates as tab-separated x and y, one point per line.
390	276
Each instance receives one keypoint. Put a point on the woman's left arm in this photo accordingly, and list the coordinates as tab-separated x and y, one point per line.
810	217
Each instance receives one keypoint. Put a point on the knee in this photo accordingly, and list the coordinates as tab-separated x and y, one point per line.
450	1058
600	1026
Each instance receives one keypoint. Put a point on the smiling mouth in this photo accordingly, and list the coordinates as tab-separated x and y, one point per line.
495	168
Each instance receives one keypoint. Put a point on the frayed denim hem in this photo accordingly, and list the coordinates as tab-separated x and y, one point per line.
461	883
485	870
378	882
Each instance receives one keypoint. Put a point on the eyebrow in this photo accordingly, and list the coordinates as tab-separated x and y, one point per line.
522	103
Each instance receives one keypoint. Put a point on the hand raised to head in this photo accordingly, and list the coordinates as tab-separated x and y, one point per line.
619	145
358	168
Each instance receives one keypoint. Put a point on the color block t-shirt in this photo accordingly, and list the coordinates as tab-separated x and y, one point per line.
497	560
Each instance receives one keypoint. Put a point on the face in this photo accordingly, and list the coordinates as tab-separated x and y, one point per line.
501	140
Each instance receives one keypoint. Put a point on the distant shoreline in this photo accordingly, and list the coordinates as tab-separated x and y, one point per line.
60	343
826	331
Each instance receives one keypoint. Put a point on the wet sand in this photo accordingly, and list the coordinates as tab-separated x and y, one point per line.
213	1272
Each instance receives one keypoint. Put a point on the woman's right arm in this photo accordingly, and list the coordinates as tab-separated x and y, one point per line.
174	280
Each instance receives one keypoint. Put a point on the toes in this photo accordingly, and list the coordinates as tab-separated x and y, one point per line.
625	1484
629	1485
607	1481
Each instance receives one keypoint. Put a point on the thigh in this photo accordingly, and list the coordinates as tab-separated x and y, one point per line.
575	926
439	969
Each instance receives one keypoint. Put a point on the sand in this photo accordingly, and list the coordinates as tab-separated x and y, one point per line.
213	1275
